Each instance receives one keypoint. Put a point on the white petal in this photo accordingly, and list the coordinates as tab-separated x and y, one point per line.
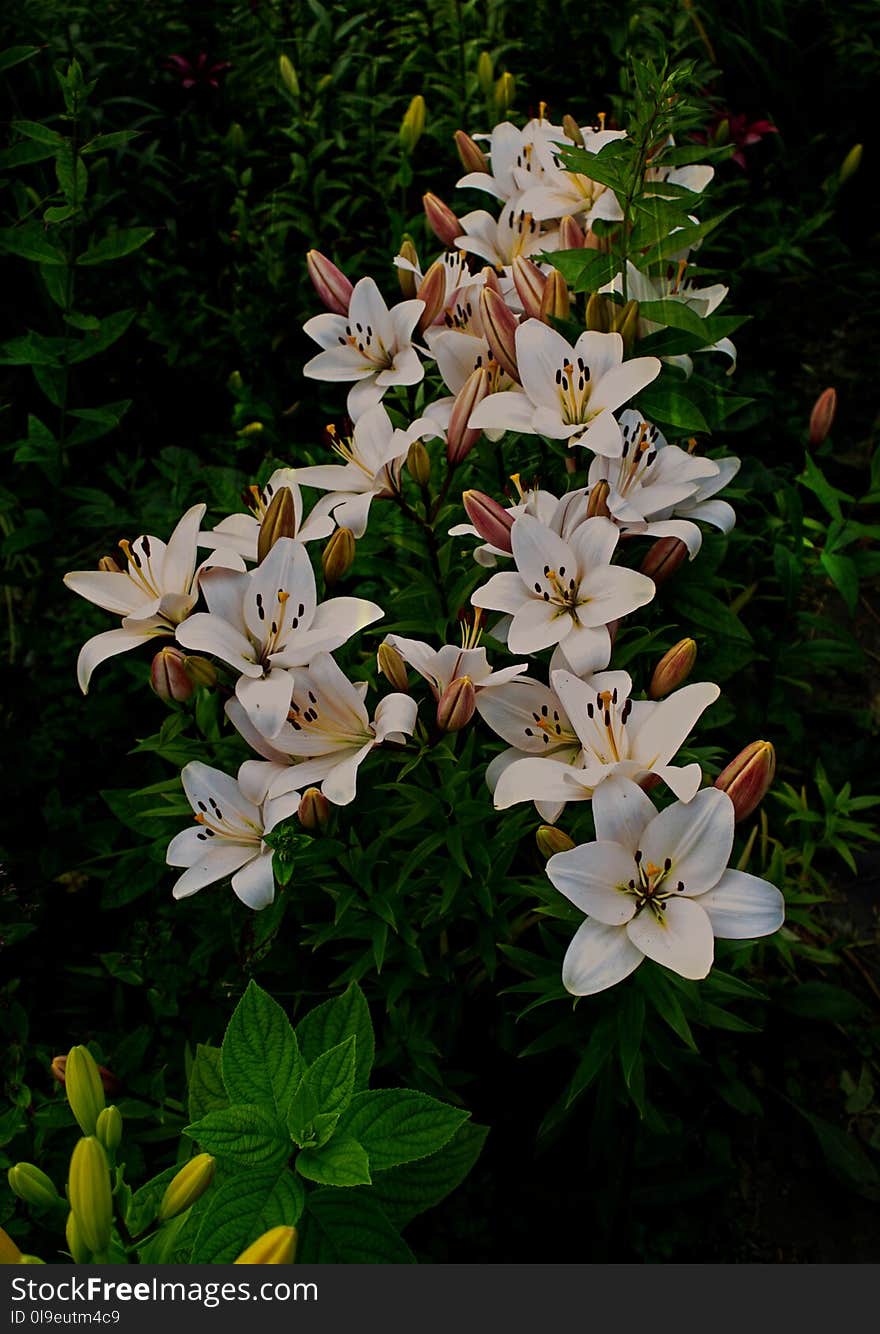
593	543
540	353
623	383
395	716
211	634
743	907
255	884
207	789
114	592
697	836
681	939
255	777
535	547
612	591
354	512
220	860
536	777
266	700
340	785
187	847
363	395
503	592
602	435
621	811
670	723
224	592
717	512
598	957
179	564
237	715
508	410
584	650
536	625
594	877
334	622
104	646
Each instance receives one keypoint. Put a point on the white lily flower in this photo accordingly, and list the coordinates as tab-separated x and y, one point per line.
532	719
564	592
657	886
498	241
673	286
569	393
374	455
157	591
240	532
540	504
458	355
511	151
268	620
618	736
227	840
440	667
371	345
560	192
702	504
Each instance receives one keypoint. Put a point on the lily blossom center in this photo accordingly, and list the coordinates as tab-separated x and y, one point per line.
651	886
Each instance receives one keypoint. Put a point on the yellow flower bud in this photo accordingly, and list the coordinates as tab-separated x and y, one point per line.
392	666
456	705
252	428
108	565
551	840
505	91
32	1185
485	73
573	130
313	811
413	124
625	322
199	670
747	779
597	500
851	163
109	1129
88	1189
418	463
75	1240
235	381
85	1090
555	303
275	1247
278	521
598	313
337	557
405	277
31	1260
673	669
189	1184
9	1252
288	75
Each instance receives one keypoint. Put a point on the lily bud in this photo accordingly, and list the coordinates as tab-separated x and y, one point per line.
333	288
88	1189
313	811
851	163
625	322
278	521
505	91
76	1243
252	428
747	779
202	673
405	277
485	73
187	1186
822	416
432	290
673	669
32	1185
289	79
472	156
456	705
529	282
235	139
109	566
418	463
491	520
551	840
556	302
111	1084
413	125
275	1247
9	1252
337	557
461	438
31	1260
597	500
441	219
666	556
84	1089
598	314
109	1129
571	234
500	326
572	130
392	666
168	676
490	278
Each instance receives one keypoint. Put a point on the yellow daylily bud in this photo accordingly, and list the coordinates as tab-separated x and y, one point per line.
288	75
624	320
278	521
551	840
31	1260
456	705
822	416
235	381
236	138
556	302
200	670
189	1184
392	666
413	124
597	500
109	1129
168	676
673	669
485	73
32	1185
75	1241
313	811
851	163
418	463
84	1088
337	557
9	1252
405	277
505	91
275	1247
88	1189
747	779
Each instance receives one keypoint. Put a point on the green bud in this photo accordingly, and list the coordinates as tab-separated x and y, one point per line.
32	1185
85	1091
109	1129
288	75
88	1189
851	163
75	1240
187	1186
485	73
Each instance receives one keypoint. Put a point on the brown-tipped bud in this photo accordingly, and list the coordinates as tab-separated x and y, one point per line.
571	234
529	282
456	705
598	316
199	670
432	290
109	566
472	156
337	557
612	627
747	779
112	1085
673	669
168	676
490	279
405	277
485	73
418	463
441	219
392	666
666	556
461	438
572	130
333	288
275	1247
491	520
505	92
551	840
500	326
597	500
313	810
822	416
187	1186
556	302
278	521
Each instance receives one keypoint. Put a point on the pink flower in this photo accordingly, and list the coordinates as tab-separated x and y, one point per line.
198	74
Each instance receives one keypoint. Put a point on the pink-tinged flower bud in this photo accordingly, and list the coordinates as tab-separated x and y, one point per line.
456	705
461	438
491	520
594	242
313	811
472	156
597	500
418	463
405	277
392	667
200	670
275	1247
673	669
278	521
822	416
551	840
598	314
441	219
555	303
432	290
490	279
168	676
500	326
333	288
572	130
337	557
529	282
109	566
747	779
58	1069
571	234
666	556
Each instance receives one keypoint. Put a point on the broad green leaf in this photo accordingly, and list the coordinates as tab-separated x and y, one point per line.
115	139
843	573
349	1228
842	1152
245	1133
242	1208
206	1091
30	242
683	239
400	1125
671	406
815	480
676	315
328	1024
609	166
406	1191
145	1202
341	1162
14	55
822	1000
72	175
42	134
261	1056
324	1091
630	1023
584	270
114	246
112	328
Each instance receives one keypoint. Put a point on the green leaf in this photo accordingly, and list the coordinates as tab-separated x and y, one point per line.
325	1090
42	134
584	270
328	1024
676	315
72	175
671	406
261	1057
145	1202
630	1022
30	242
245	1133
609	166
123	242
242	1208
406	1191
829	496
349	1228
14	55
822	1000
400	1125
116	139
842	1151
206	1091
341	1162
683	239
112	328
842	572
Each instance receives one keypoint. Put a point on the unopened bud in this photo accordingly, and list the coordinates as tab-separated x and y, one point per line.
851	163
252	428
189	1185
333	288
168	676
337	557
275	1247
109	566
555	303
500	326
111	1084
236	137
485	73
491	520
413	124
32	1185
9	1252
109	1129
441	219
505	91
31	1260
405	277
598	314
432	290
88	1189
572	130
597	500
278	521
76	1242
529	282
624	321
456	705
418	463
673	669
461	438
551	840
288	75
747	779
201	672
571	234
392	666
313	811
85	1091
822	416
490	278
472	156
666	556
235	382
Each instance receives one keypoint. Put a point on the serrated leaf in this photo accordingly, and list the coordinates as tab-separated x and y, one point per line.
206	1089
243	1132
406	1191
145	1202
341	1162
324	1091
242	1208
349	1228
400	1125
336	1019
261	1057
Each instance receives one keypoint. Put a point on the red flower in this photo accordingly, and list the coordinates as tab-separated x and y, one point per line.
198	74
